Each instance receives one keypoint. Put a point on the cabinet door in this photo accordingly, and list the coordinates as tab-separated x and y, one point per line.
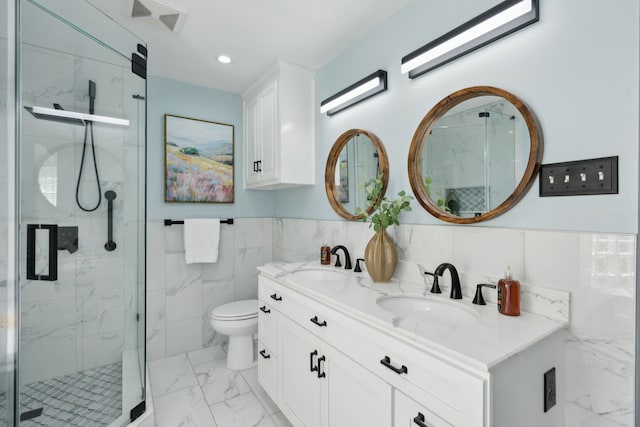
354	395
409	413
300	388
251	142
269	134
268	370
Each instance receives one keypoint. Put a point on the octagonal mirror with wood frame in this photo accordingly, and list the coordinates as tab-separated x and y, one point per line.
356	157
474	155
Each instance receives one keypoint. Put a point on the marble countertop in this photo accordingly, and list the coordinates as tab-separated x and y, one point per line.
482	345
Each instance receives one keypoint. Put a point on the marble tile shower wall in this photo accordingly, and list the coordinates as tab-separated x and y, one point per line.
597	269
180	296
86	318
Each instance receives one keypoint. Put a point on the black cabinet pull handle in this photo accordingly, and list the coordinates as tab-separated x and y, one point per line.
275	297
264	354
321	373
387	362
264	309
110	245
53	252
312	355
259	166
314	319
419	420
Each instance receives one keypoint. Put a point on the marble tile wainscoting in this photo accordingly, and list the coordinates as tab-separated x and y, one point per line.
180	296
597	269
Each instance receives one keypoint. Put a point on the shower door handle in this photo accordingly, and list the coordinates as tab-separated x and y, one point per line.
110	245
53	252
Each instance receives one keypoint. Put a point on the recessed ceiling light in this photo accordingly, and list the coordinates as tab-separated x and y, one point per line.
224	59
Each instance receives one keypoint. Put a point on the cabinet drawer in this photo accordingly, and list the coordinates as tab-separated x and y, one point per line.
455	395
409	413
267	324
267	370
314	317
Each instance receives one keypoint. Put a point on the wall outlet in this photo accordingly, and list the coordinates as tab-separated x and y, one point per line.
582	177
549	389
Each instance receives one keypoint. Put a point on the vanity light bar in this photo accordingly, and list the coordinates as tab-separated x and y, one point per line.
497	22
357	92
81	116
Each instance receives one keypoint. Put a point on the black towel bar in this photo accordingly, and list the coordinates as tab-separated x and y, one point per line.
171	221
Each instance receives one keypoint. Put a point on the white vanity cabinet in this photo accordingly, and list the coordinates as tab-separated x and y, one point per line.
335	368
279	129
318	385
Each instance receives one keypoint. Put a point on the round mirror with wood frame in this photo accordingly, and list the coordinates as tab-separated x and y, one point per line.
344	177
433	156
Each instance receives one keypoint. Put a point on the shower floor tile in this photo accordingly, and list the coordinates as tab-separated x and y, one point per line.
89	398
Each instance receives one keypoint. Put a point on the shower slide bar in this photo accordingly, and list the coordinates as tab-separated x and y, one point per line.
172	222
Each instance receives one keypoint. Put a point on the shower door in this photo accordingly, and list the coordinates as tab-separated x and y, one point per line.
81	246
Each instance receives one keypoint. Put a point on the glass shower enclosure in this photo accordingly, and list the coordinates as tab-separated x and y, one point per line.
73	195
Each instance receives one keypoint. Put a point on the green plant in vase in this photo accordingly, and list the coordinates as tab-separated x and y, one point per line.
381	255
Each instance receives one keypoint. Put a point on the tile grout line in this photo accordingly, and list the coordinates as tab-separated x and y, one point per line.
213	418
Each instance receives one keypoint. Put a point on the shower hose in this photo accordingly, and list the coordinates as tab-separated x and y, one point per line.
88	131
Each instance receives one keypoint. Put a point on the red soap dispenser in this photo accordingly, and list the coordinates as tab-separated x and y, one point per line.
509	295
325	254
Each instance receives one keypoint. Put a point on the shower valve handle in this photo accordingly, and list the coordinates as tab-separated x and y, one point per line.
110	245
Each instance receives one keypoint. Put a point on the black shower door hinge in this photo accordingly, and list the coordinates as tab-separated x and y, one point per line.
138	410
139	65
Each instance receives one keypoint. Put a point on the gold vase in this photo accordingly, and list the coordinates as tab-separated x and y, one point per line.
381	256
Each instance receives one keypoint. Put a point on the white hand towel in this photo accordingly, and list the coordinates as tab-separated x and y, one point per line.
201	239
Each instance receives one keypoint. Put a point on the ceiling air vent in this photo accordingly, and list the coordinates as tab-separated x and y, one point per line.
157	11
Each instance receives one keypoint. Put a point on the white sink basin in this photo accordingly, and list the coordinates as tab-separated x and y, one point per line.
318	274
428	310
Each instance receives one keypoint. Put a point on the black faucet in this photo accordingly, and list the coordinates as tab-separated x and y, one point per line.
456	292
435	288
347	262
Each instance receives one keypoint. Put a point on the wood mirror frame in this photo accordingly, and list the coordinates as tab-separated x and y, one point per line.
424	128
332	162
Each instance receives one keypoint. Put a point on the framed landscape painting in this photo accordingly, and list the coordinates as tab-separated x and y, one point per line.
198	160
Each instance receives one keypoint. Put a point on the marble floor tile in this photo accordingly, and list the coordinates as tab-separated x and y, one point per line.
219	383
185	407
208	354
251	377
241	411
171	374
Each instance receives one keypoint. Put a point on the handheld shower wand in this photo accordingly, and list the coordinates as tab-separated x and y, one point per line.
88	129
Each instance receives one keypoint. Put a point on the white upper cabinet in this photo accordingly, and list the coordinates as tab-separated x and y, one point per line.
279	148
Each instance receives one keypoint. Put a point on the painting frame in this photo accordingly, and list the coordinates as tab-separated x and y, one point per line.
199	160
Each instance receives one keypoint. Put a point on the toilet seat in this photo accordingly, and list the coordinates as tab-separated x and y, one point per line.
237	310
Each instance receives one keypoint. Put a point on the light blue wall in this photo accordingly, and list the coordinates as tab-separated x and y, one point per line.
577	69
166	96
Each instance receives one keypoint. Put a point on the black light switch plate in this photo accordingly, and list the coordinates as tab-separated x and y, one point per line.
549	389
582	177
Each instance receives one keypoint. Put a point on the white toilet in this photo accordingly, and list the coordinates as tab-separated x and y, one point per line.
238	320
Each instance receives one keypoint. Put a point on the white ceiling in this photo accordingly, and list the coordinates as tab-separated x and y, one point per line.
254	33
